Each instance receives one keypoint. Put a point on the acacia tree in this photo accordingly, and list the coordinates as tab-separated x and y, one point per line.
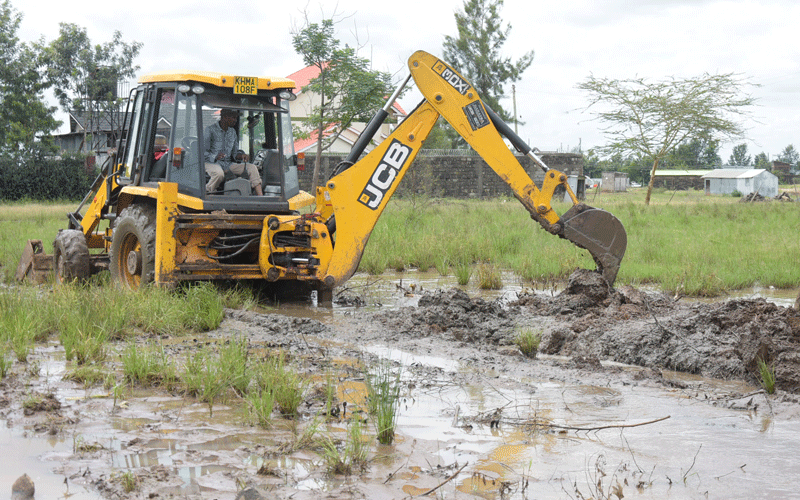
348	90
26	119
650	118
476	52
85	76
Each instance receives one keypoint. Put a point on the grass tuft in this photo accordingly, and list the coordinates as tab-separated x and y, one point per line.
766	375
348	457
383	388
528	342
488	276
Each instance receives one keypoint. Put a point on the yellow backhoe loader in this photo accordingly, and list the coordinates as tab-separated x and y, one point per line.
149	217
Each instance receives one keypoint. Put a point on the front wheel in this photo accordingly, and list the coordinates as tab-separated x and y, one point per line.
132	252
71	256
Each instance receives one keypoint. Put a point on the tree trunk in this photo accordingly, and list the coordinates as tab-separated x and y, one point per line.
650	184
320	130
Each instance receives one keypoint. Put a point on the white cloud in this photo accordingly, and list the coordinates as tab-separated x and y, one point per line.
613	38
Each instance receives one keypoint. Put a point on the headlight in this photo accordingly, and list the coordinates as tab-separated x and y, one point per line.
198	89
287	95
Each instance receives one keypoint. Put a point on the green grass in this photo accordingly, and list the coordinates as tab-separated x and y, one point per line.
383	388
20	222
684	242
766	375
528	342
350	456
148	366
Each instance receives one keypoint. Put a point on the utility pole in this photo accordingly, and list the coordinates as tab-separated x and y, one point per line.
514	99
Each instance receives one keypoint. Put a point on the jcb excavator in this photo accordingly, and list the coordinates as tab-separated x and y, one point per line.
162	226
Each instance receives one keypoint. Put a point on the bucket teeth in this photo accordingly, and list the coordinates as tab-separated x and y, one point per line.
600	233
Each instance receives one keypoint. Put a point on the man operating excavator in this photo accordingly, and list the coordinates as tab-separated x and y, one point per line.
223	155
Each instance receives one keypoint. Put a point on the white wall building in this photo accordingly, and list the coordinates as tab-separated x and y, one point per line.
743	180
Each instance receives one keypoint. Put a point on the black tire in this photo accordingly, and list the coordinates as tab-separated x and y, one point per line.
133	247
71	256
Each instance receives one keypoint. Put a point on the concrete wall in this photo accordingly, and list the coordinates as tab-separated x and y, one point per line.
455	176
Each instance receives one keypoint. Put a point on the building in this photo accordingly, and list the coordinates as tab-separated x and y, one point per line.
675	180
743	180
301	108
614	182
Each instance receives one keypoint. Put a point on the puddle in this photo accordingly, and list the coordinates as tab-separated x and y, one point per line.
466	430
37	457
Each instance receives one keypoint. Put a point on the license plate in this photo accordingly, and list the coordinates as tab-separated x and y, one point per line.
245	85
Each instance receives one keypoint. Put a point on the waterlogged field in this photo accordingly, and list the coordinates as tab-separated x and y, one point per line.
203	391
361	404
683	242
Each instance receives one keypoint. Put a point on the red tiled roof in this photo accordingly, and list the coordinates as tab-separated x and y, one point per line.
304	76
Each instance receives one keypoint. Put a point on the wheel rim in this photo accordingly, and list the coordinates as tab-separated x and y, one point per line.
130	264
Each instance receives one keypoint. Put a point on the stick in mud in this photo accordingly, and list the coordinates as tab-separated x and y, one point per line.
445	481
618	426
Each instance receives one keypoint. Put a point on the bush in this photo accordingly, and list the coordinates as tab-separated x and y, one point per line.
45	177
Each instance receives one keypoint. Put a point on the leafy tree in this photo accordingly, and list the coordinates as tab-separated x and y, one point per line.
84	76
648	119
699	152
790	155
762	161
347	88
739	156
25	119
476	52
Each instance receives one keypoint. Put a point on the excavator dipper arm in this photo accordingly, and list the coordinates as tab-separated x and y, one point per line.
354	198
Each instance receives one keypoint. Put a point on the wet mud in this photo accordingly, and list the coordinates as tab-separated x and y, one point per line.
477	418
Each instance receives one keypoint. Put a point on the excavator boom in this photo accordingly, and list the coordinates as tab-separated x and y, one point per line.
371	181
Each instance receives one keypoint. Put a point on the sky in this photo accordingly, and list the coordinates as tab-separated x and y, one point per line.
572	39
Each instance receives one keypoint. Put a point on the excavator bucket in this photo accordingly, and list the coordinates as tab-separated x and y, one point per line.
35	265
600	233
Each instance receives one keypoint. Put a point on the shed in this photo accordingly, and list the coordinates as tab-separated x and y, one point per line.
744	180
614	182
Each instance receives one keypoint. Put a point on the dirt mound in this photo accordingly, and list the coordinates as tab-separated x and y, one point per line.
453	315
723	340
591	320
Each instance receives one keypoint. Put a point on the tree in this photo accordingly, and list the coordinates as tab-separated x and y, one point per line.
26	119
476	52
85	76
650	118
347	88
739	156
790	155
762	161
699	152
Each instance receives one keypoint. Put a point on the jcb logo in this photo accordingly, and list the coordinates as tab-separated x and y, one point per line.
451	77
384	176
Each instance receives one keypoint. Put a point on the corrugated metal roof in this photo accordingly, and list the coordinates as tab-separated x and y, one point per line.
734	173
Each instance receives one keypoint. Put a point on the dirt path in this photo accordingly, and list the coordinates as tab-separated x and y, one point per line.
175	447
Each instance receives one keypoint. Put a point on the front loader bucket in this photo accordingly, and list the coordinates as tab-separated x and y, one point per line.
35	265
600	233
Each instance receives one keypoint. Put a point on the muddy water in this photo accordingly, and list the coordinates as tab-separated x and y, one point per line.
491	433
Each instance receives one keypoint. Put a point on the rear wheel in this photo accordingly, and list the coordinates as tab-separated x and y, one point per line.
132	252
71	256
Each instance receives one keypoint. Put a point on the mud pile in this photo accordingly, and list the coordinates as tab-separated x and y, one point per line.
590	320
453	315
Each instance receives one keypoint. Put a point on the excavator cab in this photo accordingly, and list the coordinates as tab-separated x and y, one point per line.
167	122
